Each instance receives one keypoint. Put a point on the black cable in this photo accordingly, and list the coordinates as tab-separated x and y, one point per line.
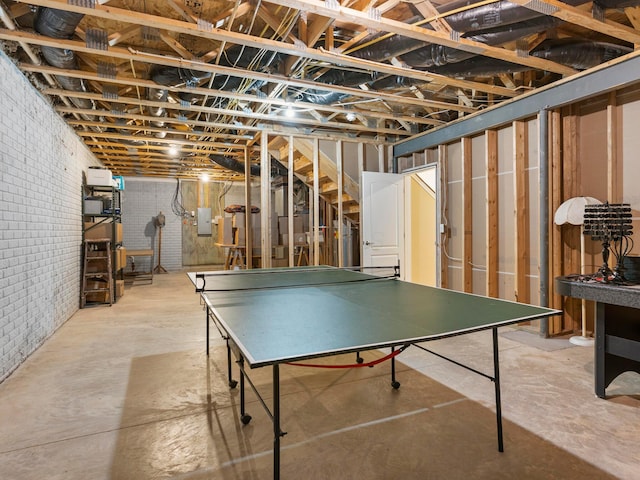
176	203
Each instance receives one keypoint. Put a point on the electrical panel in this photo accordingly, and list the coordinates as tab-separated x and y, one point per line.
204	221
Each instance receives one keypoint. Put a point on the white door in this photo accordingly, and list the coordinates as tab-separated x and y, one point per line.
382	219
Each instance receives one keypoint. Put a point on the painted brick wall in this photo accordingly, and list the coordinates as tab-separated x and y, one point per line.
142	200
41	170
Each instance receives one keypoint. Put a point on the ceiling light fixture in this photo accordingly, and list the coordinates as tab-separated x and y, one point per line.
173	150
351	116
289	112
204	177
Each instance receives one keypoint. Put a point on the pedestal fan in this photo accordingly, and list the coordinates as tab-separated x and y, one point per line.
572	212
159	222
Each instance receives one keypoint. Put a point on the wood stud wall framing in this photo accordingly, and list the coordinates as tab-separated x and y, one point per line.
555	199
248	216
570	175
265	201
492	245
322	211
467	215
521	210
565	182
290	202
314	241
444	260
613	192
340	232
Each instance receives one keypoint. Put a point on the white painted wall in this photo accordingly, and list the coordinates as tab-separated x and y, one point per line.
42	163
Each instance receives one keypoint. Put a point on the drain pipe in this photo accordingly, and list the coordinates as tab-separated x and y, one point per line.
543	126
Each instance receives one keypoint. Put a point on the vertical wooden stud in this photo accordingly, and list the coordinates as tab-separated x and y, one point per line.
491	138
521	210
613	191
555	200
316	201
340	206
444	181
570	236
467	215
248	216
290	236
265	200
360	170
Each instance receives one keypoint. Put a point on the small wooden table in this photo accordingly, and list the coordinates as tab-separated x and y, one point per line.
235	255
136	273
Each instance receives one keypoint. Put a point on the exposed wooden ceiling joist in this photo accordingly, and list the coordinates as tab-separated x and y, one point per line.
139	75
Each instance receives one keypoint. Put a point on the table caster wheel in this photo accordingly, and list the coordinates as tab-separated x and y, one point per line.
233	383
245	419
395	385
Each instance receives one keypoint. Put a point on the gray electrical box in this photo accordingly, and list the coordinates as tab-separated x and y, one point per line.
204	221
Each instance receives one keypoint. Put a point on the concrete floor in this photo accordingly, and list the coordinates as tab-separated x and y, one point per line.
126	392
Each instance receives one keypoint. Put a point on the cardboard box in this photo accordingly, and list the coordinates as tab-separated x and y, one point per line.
273	220
93	206
96	231
121	258
298	239
239	220
119	288
102	297
309	236
256	239
225	231
240	236
300	224
283	225
97	265
99	177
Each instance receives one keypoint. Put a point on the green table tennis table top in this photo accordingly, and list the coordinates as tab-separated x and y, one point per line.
292	314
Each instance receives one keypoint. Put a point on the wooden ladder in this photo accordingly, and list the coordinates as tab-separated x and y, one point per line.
97	272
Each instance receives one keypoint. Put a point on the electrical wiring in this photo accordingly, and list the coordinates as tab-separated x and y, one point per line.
176	202
225	189
445	221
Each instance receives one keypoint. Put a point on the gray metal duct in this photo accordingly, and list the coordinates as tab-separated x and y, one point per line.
277	169
492	24
62	24
437	55
578	55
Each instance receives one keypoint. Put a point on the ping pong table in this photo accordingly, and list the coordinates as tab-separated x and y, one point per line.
271	317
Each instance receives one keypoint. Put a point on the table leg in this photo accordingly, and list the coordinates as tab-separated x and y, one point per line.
496	382
232	382
207	320
277	433
600	354
244	418
227	261
394	383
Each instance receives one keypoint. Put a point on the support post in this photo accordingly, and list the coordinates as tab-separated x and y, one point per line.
543	123
276	422
496	383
